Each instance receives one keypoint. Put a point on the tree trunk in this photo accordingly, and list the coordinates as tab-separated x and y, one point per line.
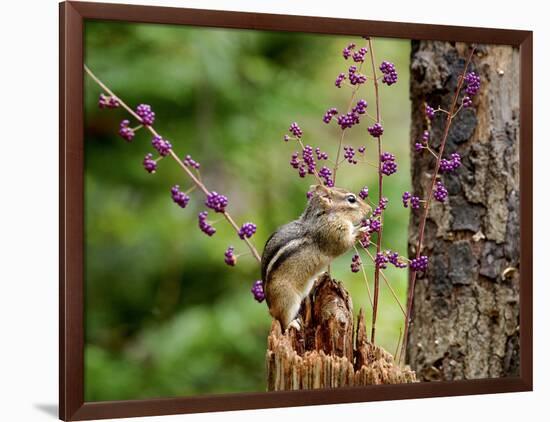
465	321
324	353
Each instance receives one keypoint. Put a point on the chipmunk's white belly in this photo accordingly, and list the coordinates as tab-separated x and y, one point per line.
324	261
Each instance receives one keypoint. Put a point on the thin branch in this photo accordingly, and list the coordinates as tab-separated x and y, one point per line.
189	173
380	188
448	122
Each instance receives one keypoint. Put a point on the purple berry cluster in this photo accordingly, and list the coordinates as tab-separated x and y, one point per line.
229	256
376	130
430	112
149	164
216	201
389	166
339	80
473	83
329	114
189	162
359	55
394	259
295	130
349	154
247	230
467	102
258	291
360	107
381	260
125	131
364	193
108	101
146	114
450	165
326	174
346	52
440	193
382	205
180	198
355	263
321	155
205	227
348	120
163	146
309	160
390	74
419	264
409	199
356	78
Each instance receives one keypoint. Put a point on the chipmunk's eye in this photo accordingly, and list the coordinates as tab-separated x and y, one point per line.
351	198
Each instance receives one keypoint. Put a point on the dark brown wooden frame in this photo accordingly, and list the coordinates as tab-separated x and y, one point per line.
71	188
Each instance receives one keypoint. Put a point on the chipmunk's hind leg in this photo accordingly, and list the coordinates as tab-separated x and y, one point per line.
289	315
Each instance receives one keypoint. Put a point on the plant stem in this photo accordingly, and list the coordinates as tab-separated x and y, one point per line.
189	173
380	188
450	116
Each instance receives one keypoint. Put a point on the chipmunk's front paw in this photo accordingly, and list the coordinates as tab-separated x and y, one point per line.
296	323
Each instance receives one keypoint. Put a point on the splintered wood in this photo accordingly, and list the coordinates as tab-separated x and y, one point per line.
323	353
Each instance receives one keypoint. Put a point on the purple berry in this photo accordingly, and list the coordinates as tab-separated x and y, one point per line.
126	131
108	101
376	130
473	83
415	202
321	155
419	264
450	165
205	227
309	160
295	130
348	120
361	149
247	230
349	153
189	162
229	256
364	193
440	193
356	78
329	114
430	112
389	166
163	146
360	107
375	225
341	77
393	258
405	198
359	55
146	115
390	74
216	201
180	198
418	147
467	102
258	291
149	164
381	260
326	174
346	52
355	263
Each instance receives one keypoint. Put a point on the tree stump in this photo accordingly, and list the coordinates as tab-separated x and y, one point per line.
324	352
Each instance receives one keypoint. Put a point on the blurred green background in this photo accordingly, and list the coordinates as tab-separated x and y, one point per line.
164	315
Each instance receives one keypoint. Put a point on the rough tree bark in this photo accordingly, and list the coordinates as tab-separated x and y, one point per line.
465	321
325	353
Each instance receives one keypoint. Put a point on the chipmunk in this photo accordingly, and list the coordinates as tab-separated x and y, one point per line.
301	250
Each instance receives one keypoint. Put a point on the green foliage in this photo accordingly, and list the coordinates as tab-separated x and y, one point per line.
164	315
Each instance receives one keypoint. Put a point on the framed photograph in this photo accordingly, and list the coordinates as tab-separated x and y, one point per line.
267	210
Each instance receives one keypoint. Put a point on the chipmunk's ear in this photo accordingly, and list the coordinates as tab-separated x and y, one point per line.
323	193
319	189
